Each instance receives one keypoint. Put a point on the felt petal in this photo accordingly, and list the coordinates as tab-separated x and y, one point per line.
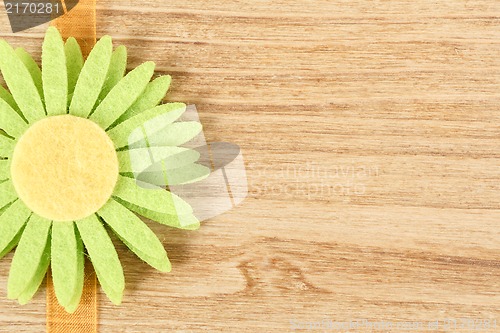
29	254
6	146
6	96
12	222
12	244
91	79
10	121
7	193
135	234
123	95
164	114
116	71
4	169
155	199
20	84
187	222
104	258
75	302
74	64
175	134
186	175
153	94
37	279
32	66
67	264
138	160
4	208
54	73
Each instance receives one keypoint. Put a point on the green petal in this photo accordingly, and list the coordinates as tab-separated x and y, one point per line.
75	302
103	256
74	63
153	94
12	244
6	96
163	114
187	222
7	193
67	264
12	222
116	71
123	95
155	199
20	84
138	160
28	256
4	208
4	169
6	146
91	79
32	66
10	120
54	73
135	234
40	273
175	134
186	175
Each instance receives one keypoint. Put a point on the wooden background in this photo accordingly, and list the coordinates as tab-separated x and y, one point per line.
371	134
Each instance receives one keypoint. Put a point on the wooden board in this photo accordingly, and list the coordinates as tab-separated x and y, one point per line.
371	135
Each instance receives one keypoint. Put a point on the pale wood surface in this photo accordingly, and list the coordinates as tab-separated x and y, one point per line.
371	135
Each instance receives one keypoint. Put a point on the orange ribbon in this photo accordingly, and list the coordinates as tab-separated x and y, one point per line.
84	319
79	22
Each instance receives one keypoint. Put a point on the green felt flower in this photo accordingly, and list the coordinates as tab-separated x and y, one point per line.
77	136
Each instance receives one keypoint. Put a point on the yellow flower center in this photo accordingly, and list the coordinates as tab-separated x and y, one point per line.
64	168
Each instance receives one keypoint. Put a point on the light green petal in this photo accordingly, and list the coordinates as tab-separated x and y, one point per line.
54	73
20	83
40	273
123	95
153	94
7	193
135	234
12	222
157	199
12	244
187	222
10	120
75	301
4	169
67	264
4	208
104	257
116	71
6	96
32	66
163	114
175	134
28	256
185	175
138	160
6	146
91	79
74	64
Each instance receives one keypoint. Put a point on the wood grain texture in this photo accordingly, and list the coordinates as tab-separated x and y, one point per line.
371	134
